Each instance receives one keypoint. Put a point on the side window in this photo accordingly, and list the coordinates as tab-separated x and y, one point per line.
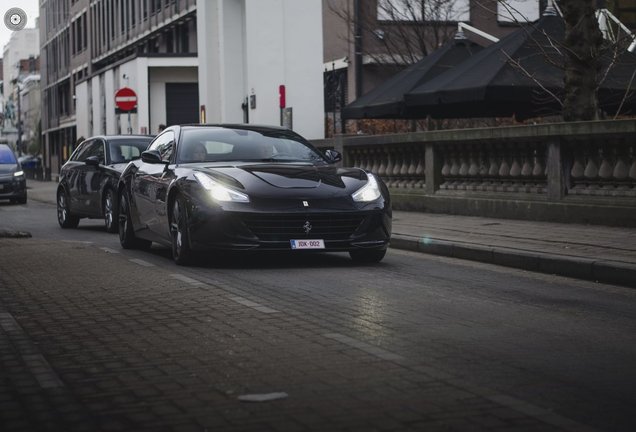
96	148
83	151
164	144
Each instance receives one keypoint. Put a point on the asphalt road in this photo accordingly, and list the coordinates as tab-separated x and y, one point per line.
414	343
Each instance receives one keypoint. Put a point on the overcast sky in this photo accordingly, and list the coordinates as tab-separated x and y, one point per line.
30	7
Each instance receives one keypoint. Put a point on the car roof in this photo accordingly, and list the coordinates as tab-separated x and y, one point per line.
243	126
119	137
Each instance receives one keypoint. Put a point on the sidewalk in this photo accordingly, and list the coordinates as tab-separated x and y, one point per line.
591	252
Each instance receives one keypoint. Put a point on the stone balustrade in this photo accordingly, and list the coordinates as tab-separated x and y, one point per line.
559	169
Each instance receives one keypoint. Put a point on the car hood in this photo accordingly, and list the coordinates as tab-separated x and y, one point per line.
119	167
8	168
303	178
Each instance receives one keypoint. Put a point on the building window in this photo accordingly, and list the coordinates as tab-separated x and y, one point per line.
517	11
423	10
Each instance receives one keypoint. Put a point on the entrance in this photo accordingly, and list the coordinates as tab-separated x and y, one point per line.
182	103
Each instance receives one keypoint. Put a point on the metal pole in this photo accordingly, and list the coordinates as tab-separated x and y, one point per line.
335	90
129	124
19	142
357	47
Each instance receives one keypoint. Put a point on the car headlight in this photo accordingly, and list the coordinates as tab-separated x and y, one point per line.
219	192
369	192
18	174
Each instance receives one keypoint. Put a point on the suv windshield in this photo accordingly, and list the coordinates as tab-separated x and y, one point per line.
6	155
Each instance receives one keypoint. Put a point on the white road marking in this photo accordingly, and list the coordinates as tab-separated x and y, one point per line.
142	262
186	279
363	346
262	397
109	250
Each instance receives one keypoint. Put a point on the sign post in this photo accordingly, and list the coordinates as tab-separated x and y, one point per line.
126	101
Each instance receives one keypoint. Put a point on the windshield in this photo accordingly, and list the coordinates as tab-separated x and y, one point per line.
219	144
6	156
122	151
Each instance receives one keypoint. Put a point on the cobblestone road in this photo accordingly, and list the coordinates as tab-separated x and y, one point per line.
127	345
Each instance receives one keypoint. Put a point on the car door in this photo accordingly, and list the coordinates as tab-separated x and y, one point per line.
150	185
97	178
86	178
70	175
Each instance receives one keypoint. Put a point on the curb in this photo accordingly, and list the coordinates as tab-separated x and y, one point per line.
575	267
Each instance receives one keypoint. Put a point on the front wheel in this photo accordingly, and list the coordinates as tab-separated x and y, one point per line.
64	216
367	255
181	252
127	237
110	211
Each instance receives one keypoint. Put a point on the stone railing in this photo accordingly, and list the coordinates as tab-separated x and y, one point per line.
583	171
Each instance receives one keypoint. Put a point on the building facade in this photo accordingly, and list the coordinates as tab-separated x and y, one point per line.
20	73
186	60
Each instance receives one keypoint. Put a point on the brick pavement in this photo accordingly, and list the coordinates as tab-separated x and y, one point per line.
127	345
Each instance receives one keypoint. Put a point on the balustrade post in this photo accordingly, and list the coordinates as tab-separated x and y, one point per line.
338	145
555	172
433	168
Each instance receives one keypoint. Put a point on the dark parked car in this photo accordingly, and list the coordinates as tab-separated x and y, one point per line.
12	179
88	181
245	187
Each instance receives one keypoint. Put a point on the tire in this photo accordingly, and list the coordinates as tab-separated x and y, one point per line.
64	216
111	211
181	251
367	256
127	237
22	199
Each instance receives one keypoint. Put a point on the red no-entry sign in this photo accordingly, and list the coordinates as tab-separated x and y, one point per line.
126	99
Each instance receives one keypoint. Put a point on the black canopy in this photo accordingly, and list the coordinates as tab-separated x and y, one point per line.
521	75
387	100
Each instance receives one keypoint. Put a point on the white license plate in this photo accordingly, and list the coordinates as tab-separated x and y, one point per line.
307	244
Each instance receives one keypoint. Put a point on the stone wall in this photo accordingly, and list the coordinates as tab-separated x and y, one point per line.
570	172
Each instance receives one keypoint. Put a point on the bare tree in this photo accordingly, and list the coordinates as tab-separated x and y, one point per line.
583	41
404	31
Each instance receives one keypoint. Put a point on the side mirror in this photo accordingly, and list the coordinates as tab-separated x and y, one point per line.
151	157
92	161
333	156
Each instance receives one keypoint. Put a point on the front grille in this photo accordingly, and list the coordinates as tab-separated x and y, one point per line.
283	227
6	187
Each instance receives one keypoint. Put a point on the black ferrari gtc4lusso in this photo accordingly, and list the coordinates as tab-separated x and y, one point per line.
245	187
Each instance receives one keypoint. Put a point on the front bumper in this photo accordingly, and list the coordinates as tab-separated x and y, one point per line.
273	231
12	187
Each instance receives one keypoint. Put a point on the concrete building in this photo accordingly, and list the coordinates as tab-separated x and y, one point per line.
186	60
19	62
23	44
30	108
